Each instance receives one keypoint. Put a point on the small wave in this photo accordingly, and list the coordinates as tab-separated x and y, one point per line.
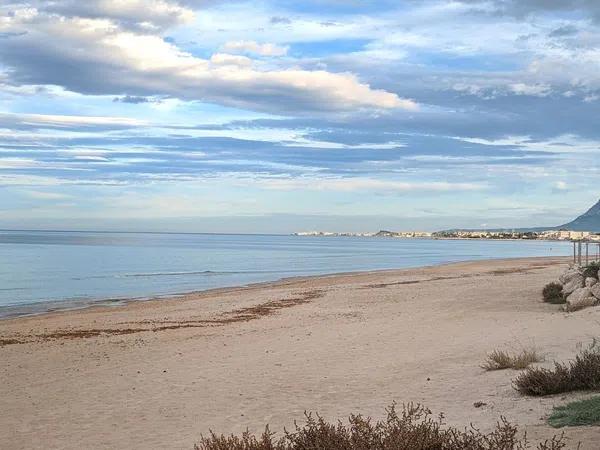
170	274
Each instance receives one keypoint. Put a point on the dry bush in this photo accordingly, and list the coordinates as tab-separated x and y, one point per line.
499	359
525	358
591	270
413	428
585	370
583	373
553	293
539	381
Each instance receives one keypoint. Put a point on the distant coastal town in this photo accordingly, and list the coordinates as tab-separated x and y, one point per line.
548	235
572	231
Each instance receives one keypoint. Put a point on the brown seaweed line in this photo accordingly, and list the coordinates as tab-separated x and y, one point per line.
235	316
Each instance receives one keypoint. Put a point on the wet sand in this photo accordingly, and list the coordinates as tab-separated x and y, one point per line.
157	374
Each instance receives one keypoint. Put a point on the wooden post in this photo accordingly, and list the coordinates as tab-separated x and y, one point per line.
575	253
579	252
587	253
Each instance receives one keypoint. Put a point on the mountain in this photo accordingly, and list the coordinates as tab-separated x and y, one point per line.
589	221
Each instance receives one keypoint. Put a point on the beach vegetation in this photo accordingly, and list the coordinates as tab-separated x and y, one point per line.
412	428
553	293
575	414
591	270
582	373
500	359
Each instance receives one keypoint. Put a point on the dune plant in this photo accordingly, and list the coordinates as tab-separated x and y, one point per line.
575	414
500	359
591	270
413	428
553	293
583	373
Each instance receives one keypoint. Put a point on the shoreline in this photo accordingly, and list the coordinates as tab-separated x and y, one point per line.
158	374
55	306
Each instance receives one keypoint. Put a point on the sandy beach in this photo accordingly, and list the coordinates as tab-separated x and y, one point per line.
158	374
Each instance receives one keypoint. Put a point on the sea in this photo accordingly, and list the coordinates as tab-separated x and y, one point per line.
50	270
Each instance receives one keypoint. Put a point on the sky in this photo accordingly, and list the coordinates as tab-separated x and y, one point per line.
281	116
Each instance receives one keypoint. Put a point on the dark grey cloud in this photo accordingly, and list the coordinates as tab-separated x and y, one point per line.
463	115
133	99
488	103
32	122
12	35
129	14
565	30
134	158
523	8
280	20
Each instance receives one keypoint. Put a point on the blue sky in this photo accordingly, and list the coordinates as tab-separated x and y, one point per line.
283	116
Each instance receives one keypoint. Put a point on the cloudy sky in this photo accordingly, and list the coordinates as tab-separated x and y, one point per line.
279	116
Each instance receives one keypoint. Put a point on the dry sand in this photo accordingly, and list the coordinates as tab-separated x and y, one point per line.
157	374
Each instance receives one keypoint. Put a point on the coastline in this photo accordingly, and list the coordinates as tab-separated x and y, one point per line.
66	305
158	373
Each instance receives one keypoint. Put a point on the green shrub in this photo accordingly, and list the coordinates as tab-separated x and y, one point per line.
583	373
574	414
553	293
412	429
591	270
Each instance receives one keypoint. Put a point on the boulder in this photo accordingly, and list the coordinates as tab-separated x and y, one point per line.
580	298
589	282
568	275
596	290
572	283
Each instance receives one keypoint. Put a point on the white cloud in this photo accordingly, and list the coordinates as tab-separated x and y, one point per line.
97	56
29	163
364	184
577	68
266	49
45	195
561	186
18	163
60	120
566	144
8	179
224	59
537	90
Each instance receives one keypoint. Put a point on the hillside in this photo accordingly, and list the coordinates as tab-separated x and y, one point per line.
589	221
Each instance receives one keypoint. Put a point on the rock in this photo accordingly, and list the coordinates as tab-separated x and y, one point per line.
580	298
596	290
579	293
568	275
590	281
573	282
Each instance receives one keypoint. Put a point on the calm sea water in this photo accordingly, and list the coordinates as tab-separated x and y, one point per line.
48	270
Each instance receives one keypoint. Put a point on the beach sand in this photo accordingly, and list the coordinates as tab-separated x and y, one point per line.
158	374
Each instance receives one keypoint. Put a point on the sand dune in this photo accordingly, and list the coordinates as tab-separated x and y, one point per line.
157	374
